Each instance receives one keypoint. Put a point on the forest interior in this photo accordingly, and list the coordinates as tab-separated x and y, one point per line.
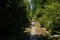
19	18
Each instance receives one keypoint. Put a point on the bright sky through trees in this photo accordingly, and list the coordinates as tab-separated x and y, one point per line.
31	5
29	0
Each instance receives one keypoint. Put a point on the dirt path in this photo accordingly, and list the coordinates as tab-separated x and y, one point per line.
38	29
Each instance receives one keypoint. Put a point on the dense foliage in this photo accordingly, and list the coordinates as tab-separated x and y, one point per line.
47	12
12	19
